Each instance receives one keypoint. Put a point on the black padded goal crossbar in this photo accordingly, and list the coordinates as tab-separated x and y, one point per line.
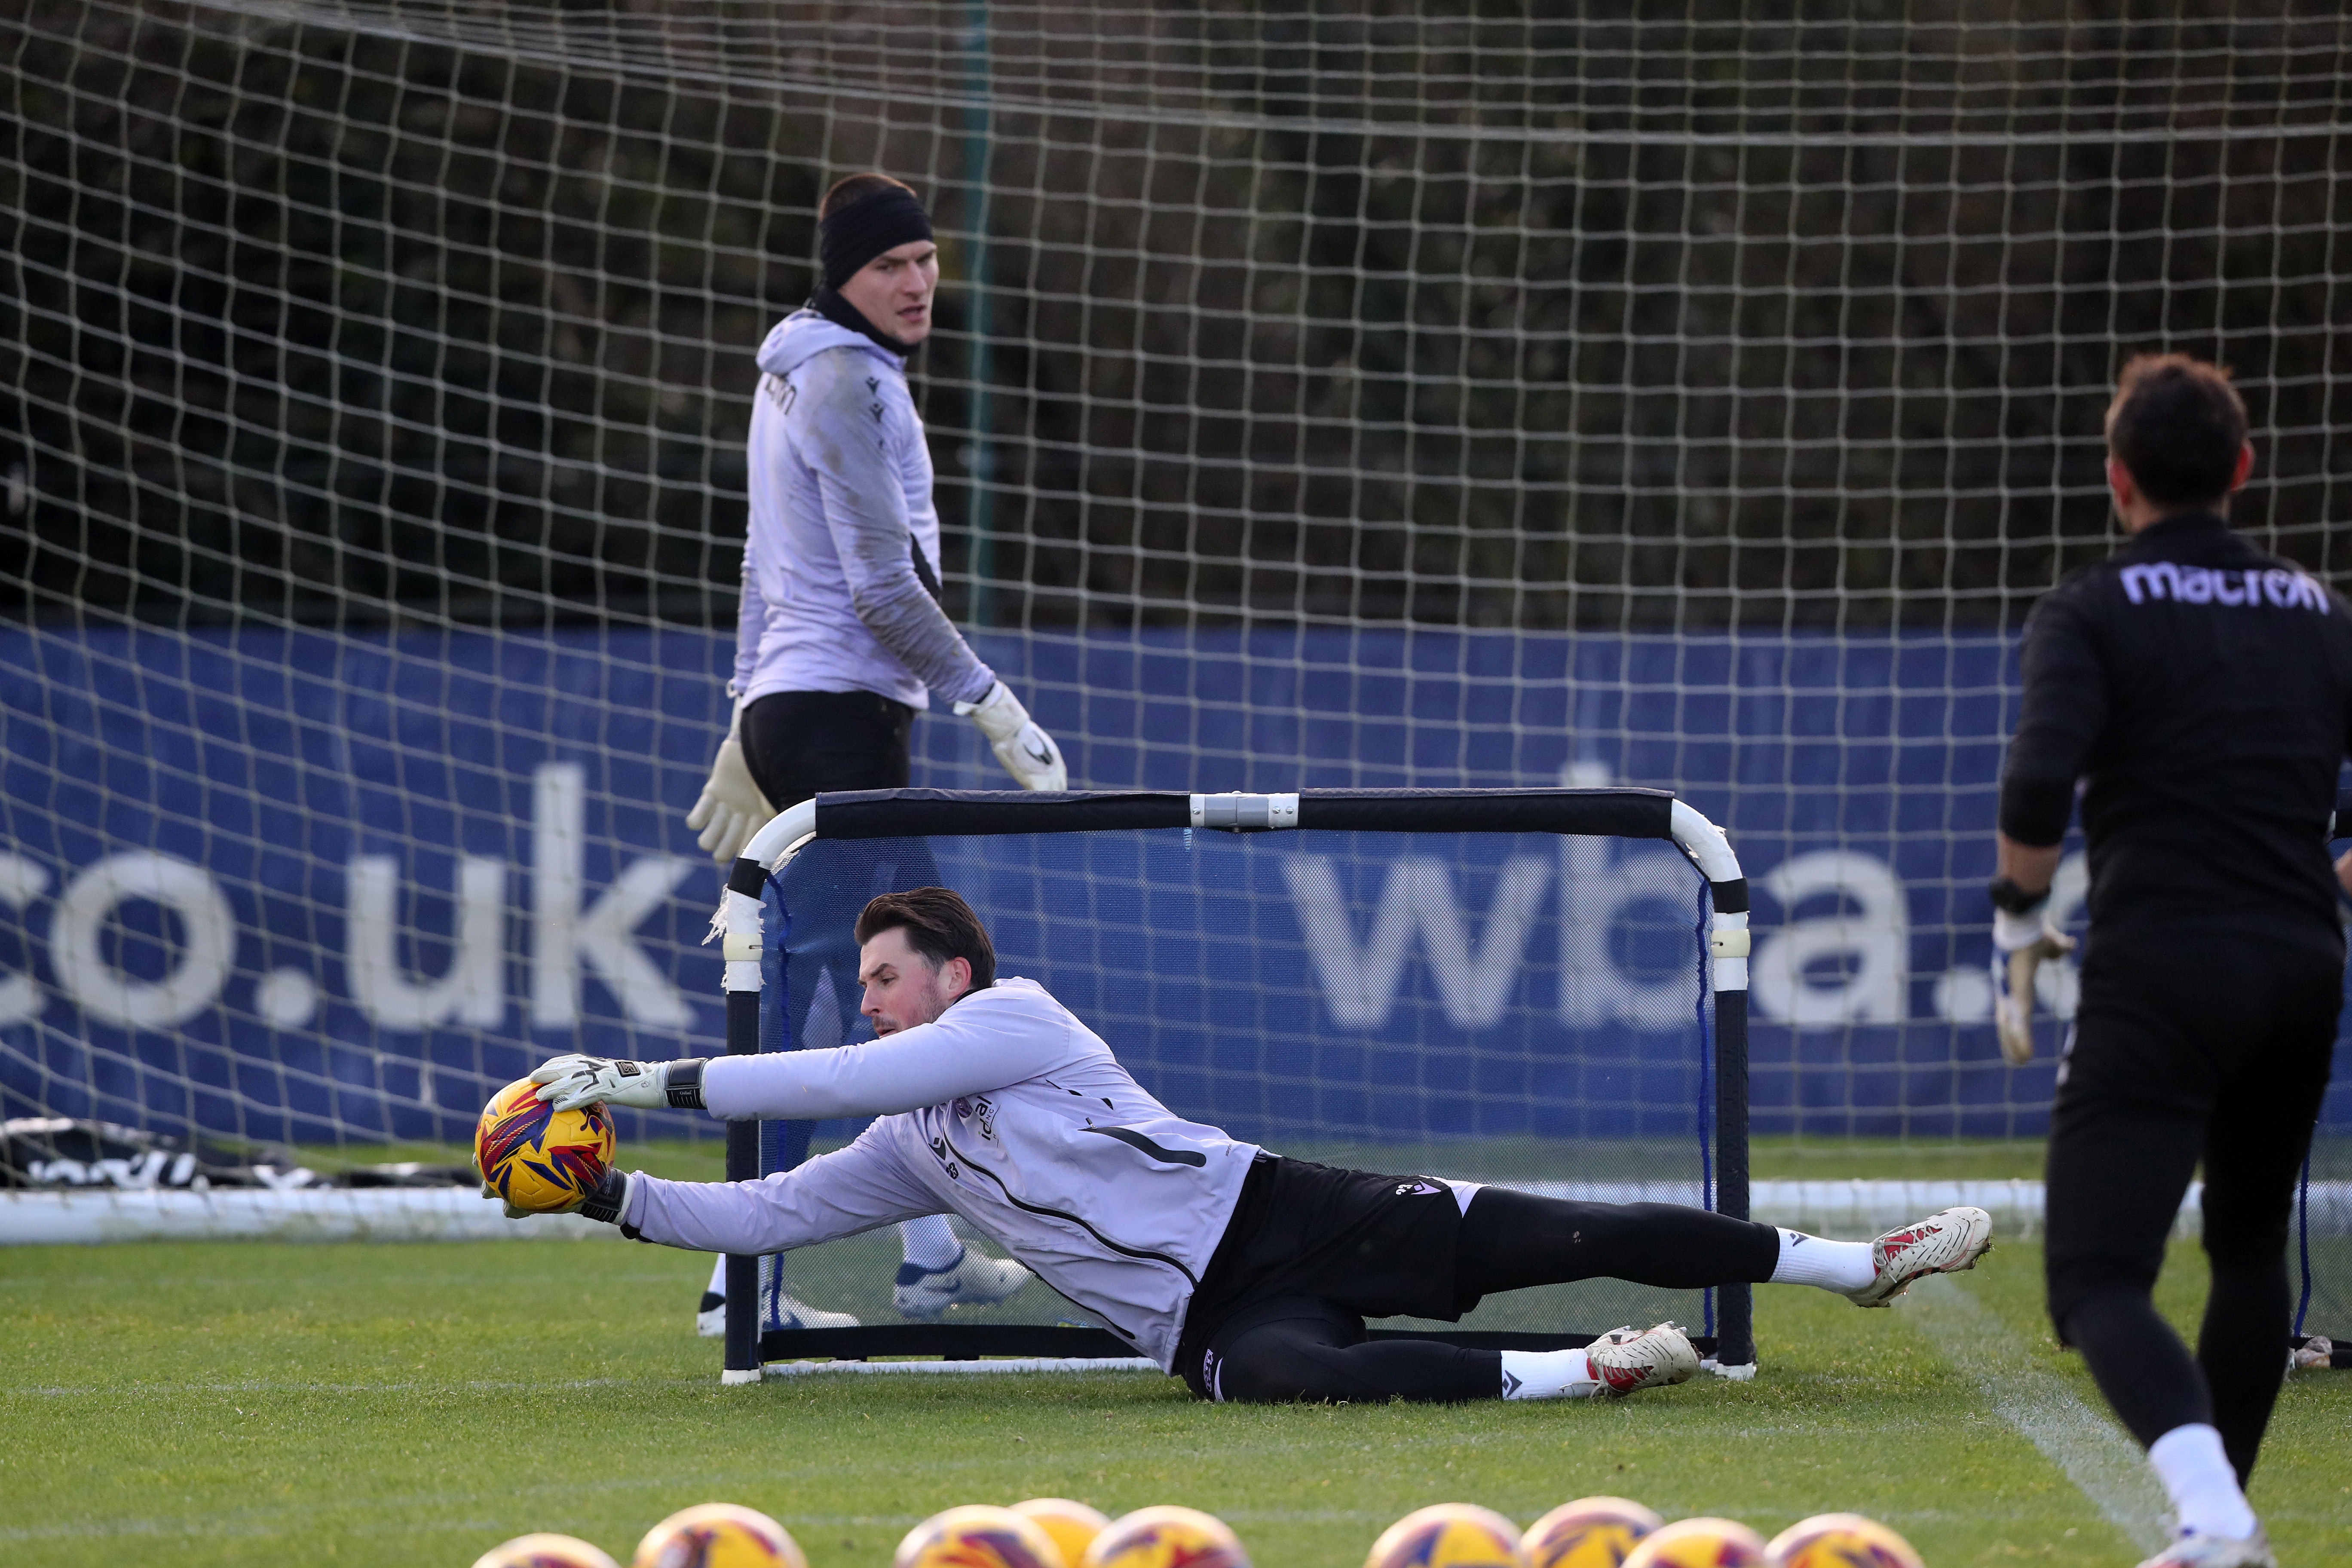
939	813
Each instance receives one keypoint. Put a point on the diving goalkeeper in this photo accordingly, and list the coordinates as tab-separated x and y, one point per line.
840	639
1248	1275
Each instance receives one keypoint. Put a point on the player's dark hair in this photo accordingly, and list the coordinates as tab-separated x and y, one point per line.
2178	424
938	925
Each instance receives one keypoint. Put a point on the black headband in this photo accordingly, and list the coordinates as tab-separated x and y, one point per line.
890	217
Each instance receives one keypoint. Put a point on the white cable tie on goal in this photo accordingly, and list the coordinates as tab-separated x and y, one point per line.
1232	813
741	915
1728	944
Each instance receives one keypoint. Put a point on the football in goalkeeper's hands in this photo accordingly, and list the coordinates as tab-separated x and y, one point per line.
537	1157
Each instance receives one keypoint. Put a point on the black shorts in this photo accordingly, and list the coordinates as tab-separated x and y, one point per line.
1311	1239
799	743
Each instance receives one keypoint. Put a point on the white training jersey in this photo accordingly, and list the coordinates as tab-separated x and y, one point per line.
840	480
1008	1111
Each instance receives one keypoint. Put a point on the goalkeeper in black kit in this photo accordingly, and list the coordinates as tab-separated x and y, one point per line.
2200	692
1248	1275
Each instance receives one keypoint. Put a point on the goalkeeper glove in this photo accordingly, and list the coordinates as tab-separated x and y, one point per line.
2022	938
731	807
512	1212
607	1201
1027	752
571	1081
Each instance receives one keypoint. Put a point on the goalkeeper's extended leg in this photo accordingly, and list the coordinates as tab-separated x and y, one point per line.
1511	1241
1305	1349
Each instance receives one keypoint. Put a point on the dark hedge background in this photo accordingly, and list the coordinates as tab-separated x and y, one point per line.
1659	317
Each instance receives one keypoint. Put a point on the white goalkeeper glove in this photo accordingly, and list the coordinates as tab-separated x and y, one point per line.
607	1201
571	1081
731	808
512	1212
1027	752
2021	941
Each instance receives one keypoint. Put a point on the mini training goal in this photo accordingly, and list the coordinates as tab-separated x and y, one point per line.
1541	987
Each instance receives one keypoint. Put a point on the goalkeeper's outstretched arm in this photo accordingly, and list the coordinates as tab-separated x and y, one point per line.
862	1187
972	1048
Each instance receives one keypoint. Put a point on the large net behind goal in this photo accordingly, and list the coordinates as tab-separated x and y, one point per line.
1376	394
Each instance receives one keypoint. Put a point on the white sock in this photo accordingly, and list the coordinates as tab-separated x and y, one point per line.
1842	1266
1546	1374
719	1275
929	1243
2197	1475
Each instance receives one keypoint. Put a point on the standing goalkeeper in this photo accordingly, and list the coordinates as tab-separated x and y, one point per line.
841	639
2201	691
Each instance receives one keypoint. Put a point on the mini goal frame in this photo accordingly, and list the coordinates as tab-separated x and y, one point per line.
1638	814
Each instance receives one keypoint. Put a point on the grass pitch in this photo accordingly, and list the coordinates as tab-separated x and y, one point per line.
220	1402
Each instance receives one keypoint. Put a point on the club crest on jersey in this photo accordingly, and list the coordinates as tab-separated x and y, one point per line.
1420	1186
2214	585
980	1109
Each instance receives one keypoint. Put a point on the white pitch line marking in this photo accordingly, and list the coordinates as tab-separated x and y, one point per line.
2094	1453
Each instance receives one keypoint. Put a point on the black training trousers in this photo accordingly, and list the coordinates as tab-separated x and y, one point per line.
1313	1251
2188	1046
801	743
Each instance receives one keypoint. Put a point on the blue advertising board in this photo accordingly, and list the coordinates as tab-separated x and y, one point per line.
319	885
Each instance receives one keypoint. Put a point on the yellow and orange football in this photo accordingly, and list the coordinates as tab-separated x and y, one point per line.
1073	1525
1840	1540
538	1158
1448	1535
978	1535
1590	1532
1700	1543
718	1535
1167	1536
544	1551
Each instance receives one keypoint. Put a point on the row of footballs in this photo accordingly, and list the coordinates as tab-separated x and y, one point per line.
1054	1533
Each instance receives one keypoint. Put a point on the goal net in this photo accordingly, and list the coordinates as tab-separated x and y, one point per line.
1409	982
1350	395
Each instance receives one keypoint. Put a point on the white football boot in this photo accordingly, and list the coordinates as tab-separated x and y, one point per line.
1627	1359
924	1295
1944	1243
2194	1549
710	1317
